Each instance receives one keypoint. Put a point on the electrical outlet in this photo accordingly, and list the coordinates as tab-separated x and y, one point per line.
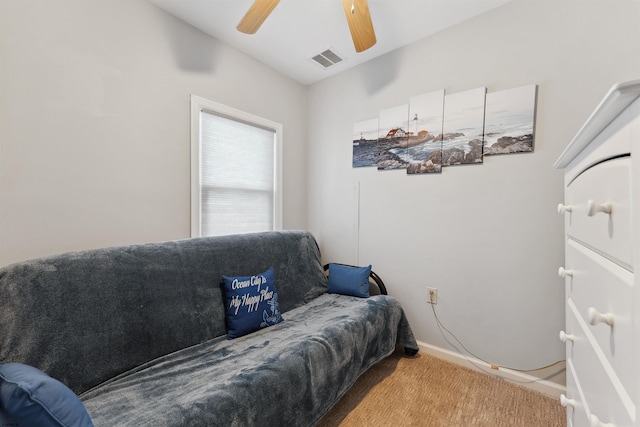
433	296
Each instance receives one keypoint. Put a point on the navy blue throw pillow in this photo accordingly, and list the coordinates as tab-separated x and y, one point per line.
29	397
251	303
347	280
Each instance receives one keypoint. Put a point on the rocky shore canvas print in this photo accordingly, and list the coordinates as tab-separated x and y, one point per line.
436	129
424	141
509	122
365	138
391	150
463	131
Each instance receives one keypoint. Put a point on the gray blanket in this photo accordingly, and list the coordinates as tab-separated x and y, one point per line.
286	375
85	317
139	332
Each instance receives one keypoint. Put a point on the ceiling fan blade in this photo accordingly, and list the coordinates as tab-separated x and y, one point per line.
360	25
255	16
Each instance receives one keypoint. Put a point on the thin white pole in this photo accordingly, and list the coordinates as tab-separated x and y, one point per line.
356	225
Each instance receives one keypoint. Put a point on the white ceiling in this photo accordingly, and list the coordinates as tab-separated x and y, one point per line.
298	29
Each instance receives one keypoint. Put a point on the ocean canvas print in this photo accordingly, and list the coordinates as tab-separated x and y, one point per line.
424	141
463	130
509	122
436	129
391	149
365	138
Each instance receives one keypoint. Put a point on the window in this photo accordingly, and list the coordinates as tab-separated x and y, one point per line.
235	171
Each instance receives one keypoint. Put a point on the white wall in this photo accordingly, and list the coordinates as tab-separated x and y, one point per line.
94	123
487	236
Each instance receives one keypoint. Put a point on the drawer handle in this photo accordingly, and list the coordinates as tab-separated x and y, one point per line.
564	208
564	273
564	337
593	208
564	401
595	422
596	317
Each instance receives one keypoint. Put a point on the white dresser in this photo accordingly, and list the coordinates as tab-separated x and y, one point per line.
602	294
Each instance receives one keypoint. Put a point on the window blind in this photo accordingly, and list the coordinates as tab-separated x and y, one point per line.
237	176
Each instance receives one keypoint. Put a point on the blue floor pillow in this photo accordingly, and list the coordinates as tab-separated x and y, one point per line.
29	397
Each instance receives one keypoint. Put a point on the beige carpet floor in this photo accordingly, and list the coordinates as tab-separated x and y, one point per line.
426	391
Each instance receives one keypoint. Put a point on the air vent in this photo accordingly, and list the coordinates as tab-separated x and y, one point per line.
327	58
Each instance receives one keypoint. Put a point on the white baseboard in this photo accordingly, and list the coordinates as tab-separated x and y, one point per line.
534	383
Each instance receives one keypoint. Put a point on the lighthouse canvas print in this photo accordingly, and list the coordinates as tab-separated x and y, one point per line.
436	129
365	138
510	120
424	141
463	131
391	150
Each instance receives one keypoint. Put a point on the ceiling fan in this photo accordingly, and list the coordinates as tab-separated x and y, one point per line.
356	11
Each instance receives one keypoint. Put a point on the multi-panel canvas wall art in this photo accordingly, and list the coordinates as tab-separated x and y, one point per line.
510	115
435	130
392	138
463	129
424	143
365	138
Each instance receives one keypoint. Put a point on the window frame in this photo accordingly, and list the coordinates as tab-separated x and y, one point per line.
199	104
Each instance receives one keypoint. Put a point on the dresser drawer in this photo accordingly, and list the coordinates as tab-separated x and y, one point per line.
608	233
603	285
603	393
576	412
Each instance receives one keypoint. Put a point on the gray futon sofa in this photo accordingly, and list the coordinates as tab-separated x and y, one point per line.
139	332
